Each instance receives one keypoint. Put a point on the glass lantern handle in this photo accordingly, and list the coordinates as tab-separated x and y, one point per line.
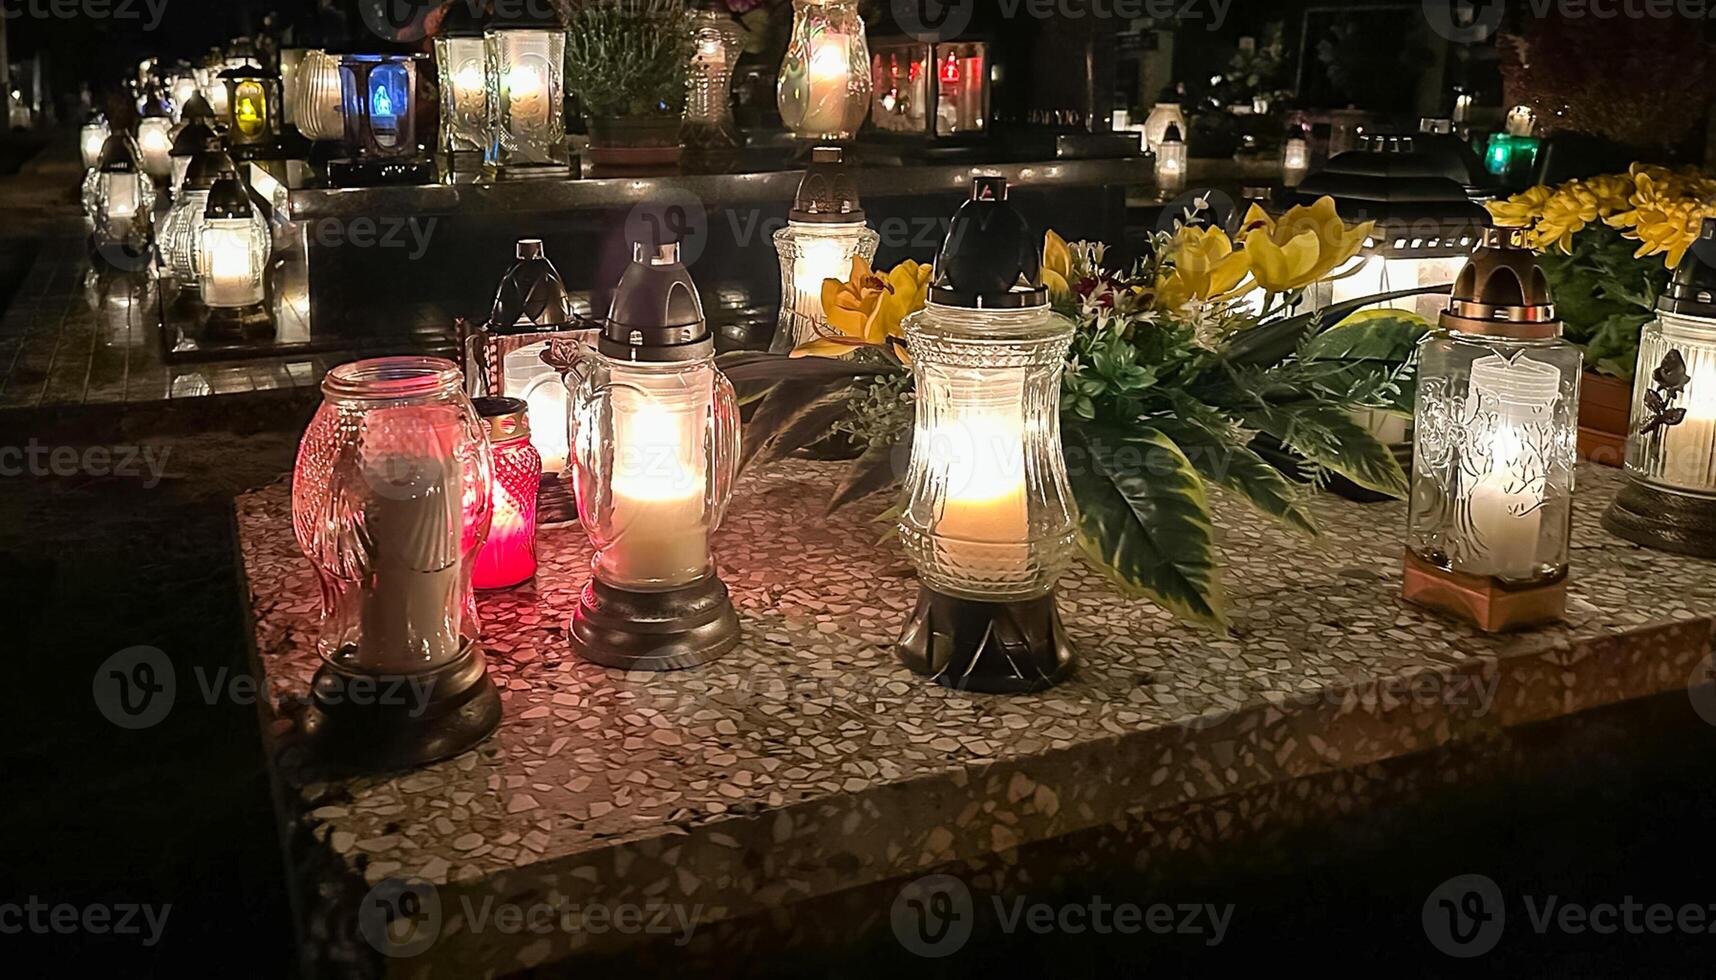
724	434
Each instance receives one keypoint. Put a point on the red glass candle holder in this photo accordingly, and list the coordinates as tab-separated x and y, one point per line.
508	556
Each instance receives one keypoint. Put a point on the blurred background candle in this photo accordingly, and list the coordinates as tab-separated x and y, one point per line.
824	88
155	138
825	231
508	556
91	139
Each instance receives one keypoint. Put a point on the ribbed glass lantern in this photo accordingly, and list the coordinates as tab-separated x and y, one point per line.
508	556
825	231
717	41
824	88
181	230
391	503
460	56
232	252
526	78
656	446
1669	501
317	108
988	518
1493	453
118	197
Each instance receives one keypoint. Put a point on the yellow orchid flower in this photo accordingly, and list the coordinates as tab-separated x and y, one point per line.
868	308
1057	266
1205	267
1303	246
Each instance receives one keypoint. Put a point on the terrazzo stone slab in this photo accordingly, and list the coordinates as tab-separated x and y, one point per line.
808	762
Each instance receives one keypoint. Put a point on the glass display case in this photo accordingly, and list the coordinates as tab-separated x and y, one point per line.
930	89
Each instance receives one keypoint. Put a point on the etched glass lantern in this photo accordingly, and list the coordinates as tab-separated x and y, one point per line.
824	88
1669	501
717	41
825	231
526	79
155	138
391	503
91	138
508	556
232	252
656	439
459	58
988	518
317	109
1493	454
118	197
503	356
181	230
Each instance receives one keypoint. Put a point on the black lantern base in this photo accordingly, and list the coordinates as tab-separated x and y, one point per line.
1683	523
987	647
534	171
669	630
384	723
235	324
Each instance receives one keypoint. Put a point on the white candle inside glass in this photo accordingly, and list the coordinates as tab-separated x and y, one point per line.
93	138
1687	448
230	275
155	143
527	96
979	441
827	80
659	486
1507	511
1509	459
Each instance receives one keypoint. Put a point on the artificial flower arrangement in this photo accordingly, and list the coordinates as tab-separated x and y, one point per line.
1608	244
1183	367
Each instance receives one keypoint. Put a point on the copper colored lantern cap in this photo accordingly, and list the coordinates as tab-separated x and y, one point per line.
1502	292
828	194
504	419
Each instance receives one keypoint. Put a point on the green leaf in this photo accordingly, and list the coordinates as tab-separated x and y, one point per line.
1228	464
745	367
1144	518
1328	436
1275	341
874	471
1366	351
792	416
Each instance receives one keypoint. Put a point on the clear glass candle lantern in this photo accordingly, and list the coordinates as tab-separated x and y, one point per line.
1493	454
194	137
181	230
1171	162
155	138
317	109
504	355
182	87
988	518
1162	115
525	68
91	138
1295	157
655	453
391	503
1669	501
825	231
508	555
118	197
824	88
717	41
232	252
459	59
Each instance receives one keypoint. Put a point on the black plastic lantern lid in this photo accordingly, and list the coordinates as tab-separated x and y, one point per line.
197	108
532	297
1401	178
227	199
991	258
828	194
1692	289
1172	134
208	166
656	314
193	138
116	156
247	73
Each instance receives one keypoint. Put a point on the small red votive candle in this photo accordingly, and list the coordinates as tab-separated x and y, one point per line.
508	557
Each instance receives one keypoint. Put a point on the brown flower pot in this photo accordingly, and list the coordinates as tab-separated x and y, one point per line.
1605	418
635	144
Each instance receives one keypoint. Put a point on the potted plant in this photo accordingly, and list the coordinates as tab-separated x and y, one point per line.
626	61
1171	379
1608	244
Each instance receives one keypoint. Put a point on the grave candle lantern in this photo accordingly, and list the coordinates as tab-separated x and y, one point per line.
155	138
232	252
655	454
825	231
508	555
117	196
1171	161
253	102
1493	452
194	137
459	58
717	42
91	138
1669	501
824	89
988	518
181	229
525	71
391	503
317	109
